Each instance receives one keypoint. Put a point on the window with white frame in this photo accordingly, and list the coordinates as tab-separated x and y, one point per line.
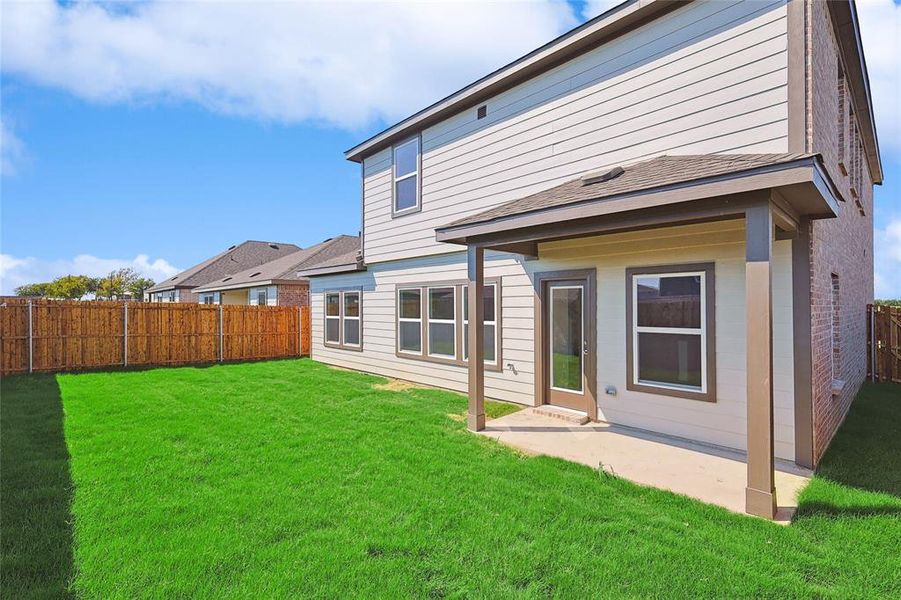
490	318
409	320
173	296
262	297
405	165
343	319
442	327
671	331
433	323
209	298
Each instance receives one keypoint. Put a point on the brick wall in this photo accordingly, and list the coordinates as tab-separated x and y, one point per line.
294	295
842	247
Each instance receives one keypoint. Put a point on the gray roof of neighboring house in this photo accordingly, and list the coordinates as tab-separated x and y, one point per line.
286	268
234	260
661	171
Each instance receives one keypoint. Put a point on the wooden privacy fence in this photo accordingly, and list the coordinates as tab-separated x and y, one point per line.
67	335
884	326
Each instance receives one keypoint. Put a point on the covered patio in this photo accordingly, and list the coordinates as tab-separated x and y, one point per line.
776	195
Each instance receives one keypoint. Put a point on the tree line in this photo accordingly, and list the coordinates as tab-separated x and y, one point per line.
73	287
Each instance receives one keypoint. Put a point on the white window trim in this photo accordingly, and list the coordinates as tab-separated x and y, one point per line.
465	292
452	321
581	389
416	173
702	331
410	320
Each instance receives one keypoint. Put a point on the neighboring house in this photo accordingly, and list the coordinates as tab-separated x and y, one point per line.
667	213
278	282
180	288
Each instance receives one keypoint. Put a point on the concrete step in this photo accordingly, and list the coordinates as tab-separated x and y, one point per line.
570	416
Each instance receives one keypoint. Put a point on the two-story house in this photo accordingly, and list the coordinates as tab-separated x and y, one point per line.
662	219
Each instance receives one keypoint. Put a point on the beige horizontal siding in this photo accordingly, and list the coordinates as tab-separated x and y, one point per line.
709	77
722	423
379	333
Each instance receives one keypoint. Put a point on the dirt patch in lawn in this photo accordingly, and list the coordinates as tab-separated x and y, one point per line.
396	385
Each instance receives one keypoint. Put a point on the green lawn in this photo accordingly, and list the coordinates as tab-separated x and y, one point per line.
289	478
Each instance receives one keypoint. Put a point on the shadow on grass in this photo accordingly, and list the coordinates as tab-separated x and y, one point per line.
35	490
860	475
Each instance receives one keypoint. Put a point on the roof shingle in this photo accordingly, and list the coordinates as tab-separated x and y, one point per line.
657	172
286	267
237	258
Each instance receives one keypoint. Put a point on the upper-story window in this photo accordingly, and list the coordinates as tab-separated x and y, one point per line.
406	163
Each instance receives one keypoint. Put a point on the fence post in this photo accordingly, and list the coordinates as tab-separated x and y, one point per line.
125	339
220	333
30	338
299	331
872	332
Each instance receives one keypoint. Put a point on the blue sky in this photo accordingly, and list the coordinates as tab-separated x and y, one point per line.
156	135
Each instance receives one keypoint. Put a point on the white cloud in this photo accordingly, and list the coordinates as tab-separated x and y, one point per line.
16	271
593	8
335	62
11	149
880	24
888	260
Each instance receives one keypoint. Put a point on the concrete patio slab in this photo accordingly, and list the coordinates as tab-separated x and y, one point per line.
707	473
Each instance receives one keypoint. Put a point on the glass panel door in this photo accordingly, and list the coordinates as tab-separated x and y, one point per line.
566	344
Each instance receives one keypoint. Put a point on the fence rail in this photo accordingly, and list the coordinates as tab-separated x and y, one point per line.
61	335
884	328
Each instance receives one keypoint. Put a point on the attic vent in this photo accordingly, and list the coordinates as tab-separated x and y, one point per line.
226	279
232	247
255	274
482	112
273	246
174	278
601	176
327	240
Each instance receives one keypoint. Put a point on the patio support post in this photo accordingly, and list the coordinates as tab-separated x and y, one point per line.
476	292
760	494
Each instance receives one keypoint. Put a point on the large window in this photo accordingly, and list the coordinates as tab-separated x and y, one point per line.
409	320
443	322
670	343
406	162
343	319
433	322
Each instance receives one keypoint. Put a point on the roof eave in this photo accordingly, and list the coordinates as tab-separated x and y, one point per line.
612	23
243	285
167	288
847	33
333	270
